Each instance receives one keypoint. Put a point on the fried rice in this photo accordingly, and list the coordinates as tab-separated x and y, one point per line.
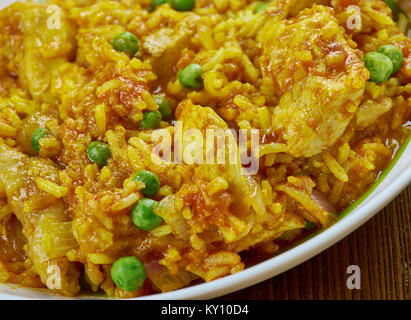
294	72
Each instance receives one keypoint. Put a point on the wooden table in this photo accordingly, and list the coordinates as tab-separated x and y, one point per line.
381	248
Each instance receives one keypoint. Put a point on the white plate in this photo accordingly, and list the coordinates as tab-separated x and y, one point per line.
389	185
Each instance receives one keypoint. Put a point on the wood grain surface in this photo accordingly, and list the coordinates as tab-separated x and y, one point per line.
381	248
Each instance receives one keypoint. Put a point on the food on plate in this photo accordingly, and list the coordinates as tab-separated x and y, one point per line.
93	92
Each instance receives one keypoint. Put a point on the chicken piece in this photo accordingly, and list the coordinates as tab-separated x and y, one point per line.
233	208
318	77
34	208
314	207
166	44
37	41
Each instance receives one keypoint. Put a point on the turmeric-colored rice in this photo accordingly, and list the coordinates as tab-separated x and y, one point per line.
294	72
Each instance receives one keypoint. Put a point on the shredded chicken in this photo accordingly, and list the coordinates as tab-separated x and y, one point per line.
318	76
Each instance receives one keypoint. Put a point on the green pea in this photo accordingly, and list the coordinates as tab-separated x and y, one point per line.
98	152
379	66
37	135
128	273
125	42
262	7
190	77
157	3
163	107
143	215
183	5
309	225
151	181
394	54
151	120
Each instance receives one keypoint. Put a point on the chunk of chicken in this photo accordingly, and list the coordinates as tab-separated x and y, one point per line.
37	41
290	8
318	77
31	206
